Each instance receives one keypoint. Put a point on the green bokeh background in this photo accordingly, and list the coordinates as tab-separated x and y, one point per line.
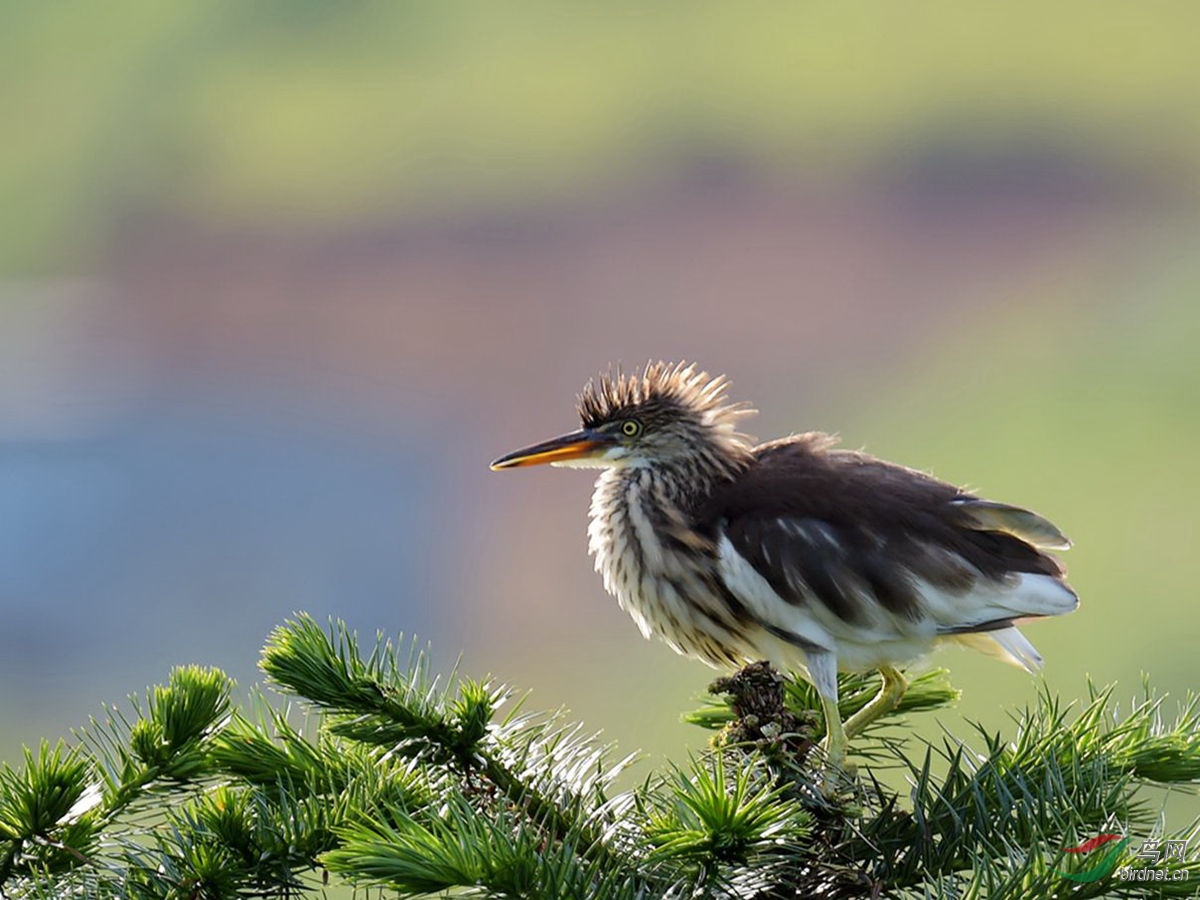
1067	380
334	113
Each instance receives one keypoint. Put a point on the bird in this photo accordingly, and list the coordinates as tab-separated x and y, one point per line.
814	558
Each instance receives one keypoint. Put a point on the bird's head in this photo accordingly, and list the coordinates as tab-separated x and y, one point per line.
667	414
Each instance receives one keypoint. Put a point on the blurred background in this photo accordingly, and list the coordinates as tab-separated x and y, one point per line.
278	280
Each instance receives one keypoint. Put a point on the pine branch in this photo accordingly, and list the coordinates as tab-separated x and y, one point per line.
926	691
382	701
56	809
398	780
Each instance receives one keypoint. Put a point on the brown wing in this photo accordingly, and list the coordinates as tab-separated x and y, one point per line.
841	528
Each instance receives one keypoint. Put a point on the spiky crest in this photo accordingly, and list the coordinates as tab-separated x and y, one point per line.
673	384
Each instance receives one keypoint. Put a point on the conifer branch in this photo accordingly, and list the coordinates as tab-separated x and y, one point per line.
398	780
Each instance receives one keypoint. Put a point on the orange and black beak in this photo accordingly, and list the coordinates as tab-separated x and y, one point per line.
576	445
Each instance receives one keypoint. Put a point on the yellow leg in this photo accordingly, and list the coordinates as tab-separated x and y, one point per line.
837	734
894	686
834	745
835	742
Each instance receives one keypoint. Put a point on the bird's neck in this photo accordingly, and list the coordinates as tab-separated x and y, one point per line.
674	485
636	508
647	547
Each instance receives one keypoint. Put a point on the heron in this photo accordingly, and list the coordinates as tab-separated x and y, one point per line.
814	558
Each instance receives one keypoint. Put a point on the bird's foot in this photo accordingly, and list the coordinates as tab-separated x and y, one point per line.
839	771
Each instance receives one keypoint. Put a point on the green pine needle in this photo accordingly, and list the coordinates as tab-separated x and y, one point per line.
725	816
399	780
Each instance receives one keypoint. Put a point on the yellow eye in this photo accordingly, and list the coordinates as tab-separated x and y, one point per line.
630	427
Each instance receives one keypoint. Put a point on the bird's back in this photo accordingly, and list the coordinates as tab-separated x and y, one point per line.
876	562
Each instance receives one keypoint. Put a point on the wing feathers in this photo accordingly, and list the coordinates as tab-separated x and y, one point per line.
989	515
856	553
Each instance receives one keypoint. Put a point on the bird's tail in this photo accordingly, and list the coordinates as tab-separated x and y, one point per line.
1007	644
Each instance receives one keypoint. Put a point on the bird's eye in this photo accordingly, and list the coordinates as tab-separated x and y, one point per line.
630	427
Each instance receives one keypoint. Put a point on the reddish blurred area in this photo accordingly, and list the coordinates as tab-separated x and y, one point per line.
812	284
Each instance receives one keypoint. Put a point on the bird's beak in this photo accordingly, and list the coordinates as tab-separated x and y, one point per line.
576	445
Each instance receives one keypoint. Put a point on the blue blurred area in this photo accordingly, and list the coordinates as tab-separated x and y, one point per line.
186	529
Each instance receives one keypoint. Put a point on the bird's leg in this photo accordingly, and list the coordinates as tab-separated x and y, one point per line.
894	686
836	741
822	671
837	734
834	744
